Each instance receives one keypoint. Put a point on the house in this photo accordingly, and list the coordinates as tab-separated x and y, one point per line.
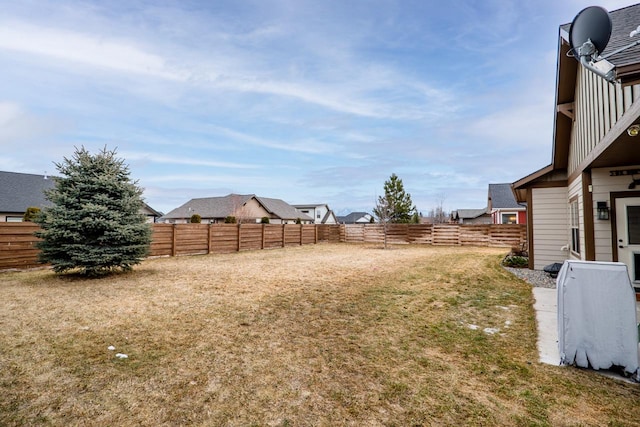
503	206
320	213
19	191
151	214
356	218
247	208
471	216
585	205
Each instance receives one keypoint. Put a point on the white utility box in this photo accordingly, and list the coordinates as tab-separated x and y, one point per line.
597	325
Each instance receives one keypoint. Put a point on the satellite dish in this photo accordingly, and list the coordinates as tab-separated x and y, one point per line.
593	25
588	36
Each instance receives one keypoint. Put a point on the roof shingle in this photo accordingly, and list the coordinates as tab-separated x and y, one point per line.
221	207
501	197
19	191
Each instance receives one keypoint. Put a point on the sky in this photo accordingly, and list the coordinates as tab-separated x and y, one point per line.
308	101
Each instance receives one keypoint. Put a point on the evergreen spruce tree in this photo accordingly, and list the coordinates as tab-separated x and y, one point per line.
396	205
95	224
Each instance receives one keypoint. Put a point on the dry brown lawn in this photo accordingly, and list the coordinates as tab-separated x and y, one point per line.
319	335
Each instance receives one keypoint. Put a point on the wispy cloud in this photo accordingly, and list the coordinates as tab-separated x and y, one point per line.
295	146
184	161
85	49
378	92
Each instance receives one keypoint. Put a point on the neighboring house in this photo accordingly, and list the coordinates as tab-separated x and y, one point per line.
247	208
19	191
320	213
356	218
504	207
585	205
471	216
151	214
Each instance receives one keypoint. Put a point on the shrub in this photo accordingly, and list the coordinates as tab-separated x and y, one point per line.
264	220
195	219
31	214
516	261
230	220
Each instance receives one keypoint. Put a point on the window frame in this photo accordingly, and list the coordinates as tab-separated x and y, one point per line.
574	226
513	214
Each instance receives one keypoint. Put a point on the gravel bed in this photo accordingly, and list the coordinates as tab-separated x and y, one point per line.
537	278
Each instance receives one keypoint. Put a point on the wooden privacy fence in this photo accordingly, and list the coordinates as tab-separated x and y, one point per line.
18	250
438	234
17	245
191	239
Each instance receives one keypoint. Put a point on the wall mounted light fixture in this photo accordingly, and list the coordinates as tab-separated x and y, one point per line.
603	211
633	130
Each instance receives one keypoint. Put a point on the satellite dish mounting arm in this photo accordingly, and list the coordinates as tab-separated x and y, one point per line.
588	54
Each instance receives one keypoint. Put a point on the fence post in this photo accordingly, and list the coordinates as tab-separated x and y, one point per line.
209	239
264	226
300	234
173	240
283	234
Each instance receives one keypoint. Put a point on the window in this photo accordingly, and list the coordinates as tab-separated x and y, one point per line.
633	224
14	219
575	226
509	218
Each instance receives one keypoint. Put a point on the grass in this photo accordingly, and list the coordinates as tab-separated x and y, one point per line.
316	335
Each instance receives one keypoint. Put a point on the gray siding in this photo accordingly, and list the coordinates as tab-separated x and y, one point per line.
550	225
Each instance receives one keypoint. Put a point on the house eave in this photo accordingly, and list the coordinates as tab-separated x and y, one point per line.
566	72
629	74
520	187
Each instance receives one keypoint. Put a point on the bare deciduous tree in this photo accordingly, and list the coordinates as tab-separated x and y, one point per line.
438	215
383	212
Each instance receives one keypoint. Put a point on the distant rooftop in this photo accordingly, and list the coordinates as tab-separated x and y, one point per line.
501	197
19	191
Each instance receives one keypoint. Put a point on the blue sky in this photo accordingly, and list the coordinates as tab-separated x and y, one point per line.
309	101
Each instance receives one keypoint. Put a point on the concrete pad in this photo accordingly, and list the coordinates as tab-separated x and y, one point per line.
546	306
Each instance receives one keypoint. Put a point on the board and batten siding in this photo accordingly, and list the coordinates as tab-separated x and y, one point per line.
603	185
550	225
598	105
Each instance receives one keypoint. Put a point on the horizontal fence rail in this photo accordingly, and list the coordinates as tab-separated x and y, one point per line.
18	244
437	234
